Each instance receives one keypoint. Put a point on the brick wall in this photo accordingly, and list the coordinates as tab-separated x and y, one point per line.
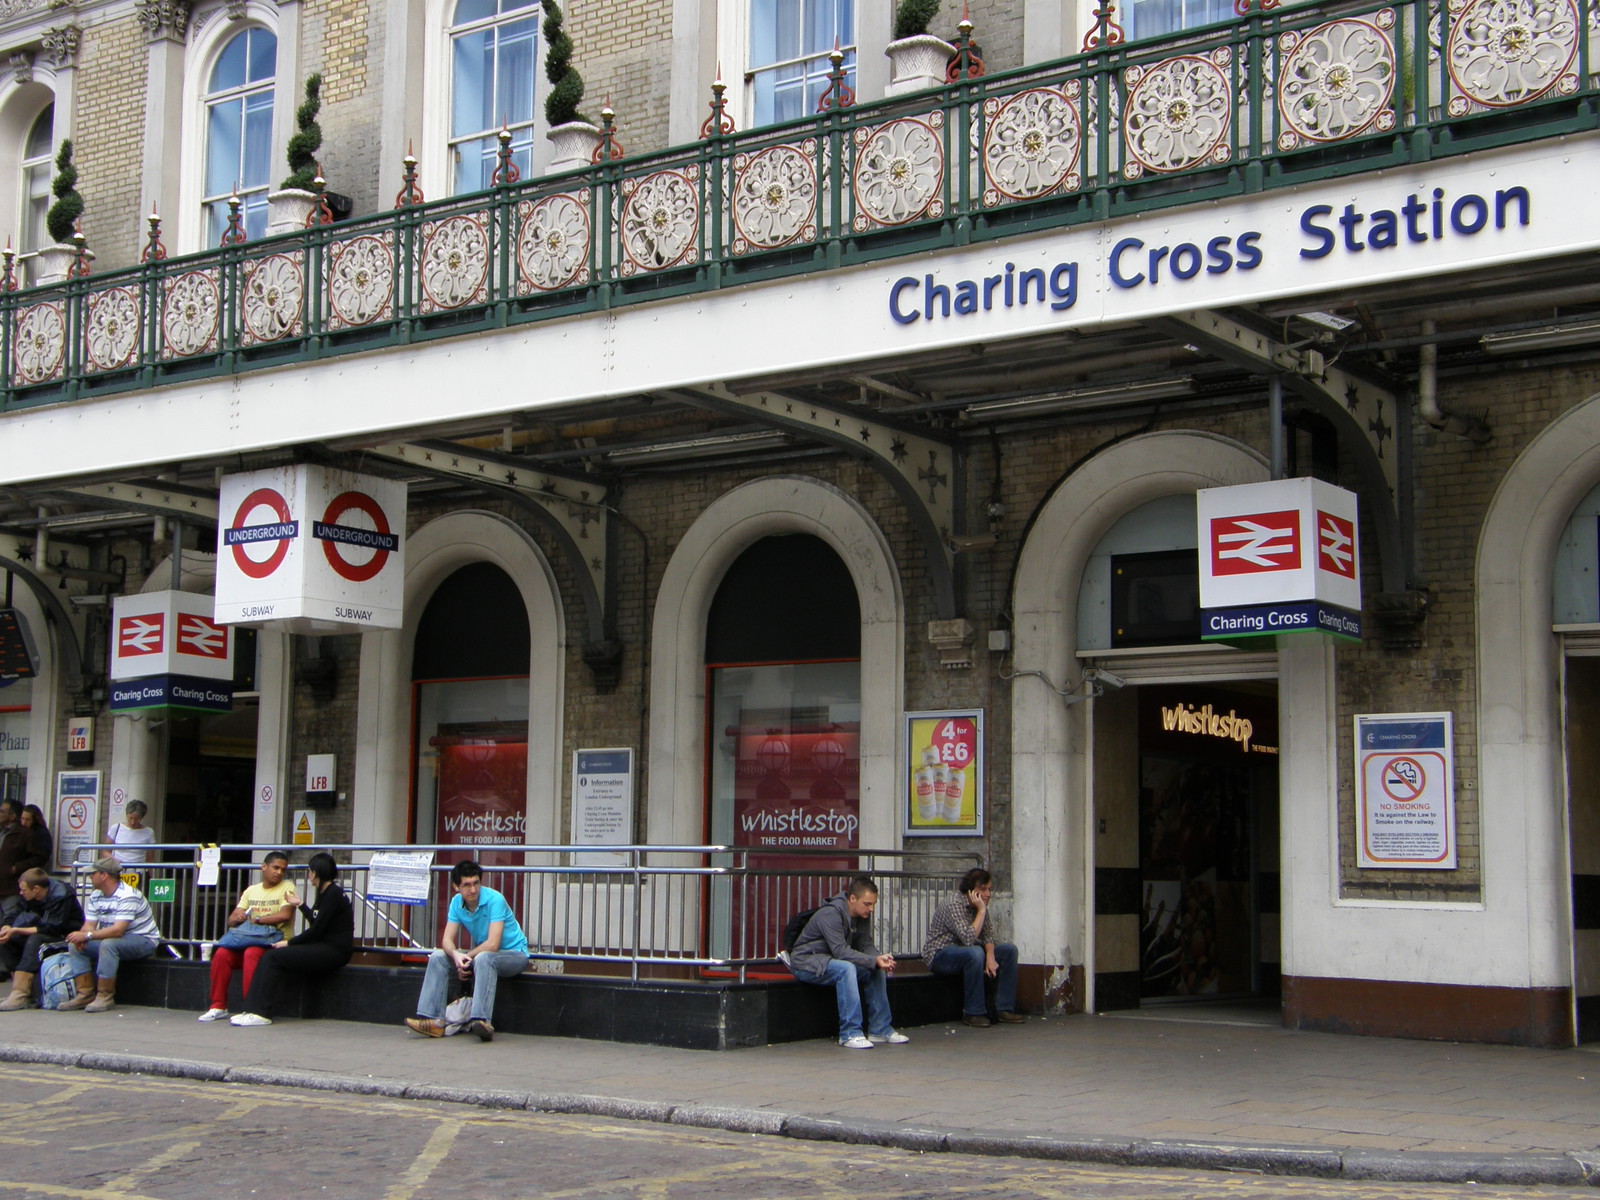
108	136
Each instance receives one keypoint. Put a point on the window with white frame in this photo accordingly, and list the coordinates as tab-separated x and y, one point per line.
494	62
790	41
1156	18
38	164
238	132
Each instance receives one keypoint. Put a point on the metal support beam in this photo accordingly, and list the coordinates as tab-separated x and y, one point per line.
925	472
572	509
188	505
1363	413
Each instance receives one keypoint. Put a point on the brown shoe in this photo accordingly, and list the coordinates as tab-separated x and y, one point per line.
21	993
978	1022
1011	1018
483	1029
426	1026
106	999
83	994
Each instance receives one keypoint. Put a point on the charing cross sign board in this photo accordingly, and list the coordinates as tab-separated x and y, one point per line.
309	549
168	651
1278	557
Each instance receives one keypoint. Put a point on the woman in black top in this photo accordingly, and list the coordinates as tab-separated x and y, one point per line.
40	844
321	948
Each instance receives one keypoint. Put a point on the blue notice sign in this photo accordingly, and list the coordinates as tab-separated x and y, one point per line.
172	691
1269	620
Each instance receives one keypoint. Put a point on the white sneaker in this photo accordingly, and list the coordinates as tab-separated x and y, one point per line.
213	1014
894	1038
250	1019
857	1043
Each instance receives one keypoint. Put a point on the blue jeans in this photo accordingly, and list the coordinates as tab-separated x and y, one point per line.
487	972
967	962
851	985
108	954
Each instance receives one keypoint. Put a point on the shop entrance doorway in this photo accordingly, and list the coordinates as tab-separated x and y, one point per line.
1583	824
1186	878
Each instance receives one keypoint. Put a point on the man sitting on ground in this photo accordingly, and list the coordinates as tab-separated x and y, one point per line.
49	911
498	949
255	924
962	941
835	950
118	927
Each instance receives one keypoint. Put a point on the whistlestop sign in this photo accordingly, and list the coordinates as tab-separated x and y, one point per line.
1278	557
308	549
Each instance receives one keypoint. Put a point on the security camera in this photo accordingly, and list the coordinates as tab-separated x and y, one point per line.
1109	678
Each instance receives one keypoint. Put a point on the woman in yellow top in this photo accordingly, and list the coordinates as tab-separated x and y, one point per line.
264	908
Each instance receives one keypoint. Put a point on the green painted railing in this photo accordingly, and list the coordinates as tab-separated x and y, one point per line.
1279	96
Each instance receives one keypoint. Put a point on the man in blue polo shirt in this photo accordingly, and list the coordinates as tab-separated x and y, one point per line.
496	949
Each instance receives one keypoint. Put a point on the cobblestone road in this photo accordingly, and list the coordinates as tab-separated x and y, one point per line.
70	1133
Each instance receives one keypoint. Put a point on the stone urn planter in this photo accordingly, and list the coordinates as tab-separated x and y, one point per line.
287	210
52	262
573	145
916	63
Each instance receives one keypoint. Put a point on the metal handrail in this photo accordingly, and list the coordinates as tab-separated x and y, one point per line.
1081	139
716	908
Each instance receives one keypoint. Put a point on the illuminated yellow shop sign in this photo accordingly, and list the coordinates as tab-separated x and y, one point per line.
1212	722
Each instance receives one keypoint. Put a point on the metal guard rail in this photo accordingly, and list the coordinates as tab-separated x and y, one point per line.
1282	95
718	908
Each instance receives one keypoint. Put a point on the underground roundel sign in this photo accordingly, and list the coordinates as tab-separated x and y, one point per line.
310	549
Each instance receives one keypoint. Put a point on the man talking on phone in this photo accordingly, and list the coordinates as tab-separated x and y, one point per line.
835	950
962	941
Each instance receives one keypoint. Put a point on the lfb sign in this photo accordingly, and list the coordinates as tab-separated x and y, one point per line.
1278	557
310	549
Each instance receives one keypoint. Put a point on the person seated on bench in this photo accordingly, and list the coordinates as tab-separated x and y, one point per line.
479	918
253	926
324	946
962	941
835	950
118	927
50	910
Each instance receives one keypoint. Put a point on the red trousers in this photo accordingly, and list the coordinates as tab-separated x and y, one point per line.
223	962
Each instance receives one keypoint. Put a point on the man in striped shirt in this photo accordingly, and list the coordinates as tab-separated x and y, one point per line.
118	928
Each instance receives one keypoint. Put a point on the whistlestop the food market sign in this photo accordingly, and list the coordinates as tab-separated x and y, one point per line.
1278	557
169	651
310	549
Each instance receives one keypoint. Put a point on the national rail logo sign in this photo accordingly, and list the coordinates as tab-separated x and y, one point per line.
169	633
1278	557
308	549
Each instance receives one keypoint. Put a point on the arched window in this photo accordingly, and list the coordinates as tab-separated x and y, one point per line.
1157	18
238	132
38	153
494	61
790	41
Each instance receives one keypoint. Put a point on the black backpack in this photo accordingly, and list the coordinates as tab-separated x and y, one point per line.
796	925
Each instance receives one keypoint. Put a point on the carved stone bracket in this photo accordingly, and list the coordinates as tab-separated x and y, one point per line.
60	45
165	19
953	640
20	64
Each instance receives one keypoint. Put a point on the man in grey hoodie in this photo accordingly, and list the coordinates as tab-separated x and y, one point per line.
835	950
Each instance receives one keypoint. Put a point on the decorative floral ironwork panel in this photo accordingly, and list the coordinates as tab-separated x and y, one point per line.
454	263
553	242
775	197
1507	52
111	325
191	312
1338	80
660	222
1178	114
361	281
39	343
1031	144
899	171
273	300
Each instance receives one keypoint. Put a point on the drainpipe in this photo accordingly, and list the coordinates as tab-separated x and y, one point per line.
1428	408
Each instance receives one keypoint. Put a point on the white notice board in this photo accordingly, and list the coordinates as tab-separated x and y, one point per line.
1405	791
